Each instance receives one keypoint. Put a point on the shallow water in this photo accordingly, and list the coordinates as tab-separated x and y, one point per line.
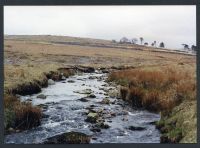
65	113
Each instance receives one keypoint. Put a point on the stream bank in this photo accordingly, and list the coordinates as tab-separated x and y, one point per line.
85	103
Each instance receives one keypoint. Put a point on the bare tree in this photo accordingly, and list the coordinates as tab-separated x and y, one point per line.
114	41
134	41
194	48
124	40
185	46
141	40
154	43
162	45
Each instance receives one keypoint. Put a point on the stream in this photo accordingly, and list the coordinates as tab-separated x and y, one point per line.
64	111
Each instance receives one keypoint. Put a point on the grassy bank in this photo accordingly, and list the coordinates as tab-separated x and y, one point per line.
165	90
26	80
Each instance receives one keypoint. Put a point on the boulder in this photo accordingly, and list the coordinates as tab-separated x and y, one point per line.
69	138
92	117
51	82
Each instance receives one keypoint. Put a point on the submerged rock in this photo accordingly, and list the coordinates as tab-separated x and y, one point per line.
136	128
51	82
69	138
71	81
42	96
91	96
85	91
92	77
83	100
105	101
102	125
63	78
95	129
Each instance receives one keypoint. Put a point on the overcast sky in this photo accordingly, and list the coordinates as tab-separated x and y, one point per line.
173	25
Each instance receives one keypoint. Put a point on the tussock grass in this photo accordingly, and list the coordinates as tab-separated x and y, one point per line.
156	90
20	115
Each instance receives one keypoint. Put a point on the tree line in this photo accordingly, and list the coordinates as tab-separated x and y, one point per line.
153	44
141	39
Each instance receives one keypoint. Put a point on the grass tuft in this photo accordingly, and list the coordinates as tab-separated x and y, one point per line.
20	115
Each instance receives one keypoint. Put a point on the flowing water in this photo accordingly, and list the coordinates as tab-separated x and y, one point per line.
64	112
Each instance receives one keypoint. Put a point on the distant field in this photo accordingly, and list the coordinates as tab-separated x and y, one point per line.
52	49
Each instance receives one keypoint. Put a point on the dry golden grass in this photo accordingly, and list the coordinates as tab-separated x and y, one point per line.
156	90
72	54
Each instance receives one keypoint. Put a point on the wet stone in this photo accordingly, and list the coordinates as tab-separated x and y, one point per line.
95	129
105	101
92	77
103	125
51	82
85	91
63	78
83	100
93	105
42	96
91	96
92	117
71	81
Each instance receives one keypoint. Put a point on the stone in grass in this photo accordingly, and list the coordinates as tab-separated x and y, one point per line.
69	138
92	117
41	96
